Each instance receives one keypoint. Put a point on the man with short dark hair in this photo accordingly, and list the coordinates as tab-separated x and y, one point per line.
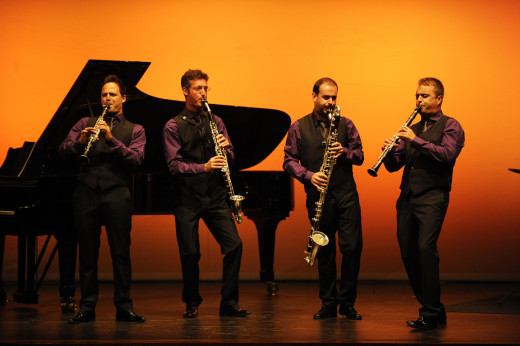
427	151
200	194
304	155
102	197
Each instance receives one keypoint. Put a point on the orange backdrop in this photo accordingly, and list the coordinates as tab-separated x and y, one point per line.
268	54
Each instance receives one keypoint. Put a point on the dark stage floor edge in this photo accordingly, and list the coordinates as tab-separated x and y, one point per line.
477	313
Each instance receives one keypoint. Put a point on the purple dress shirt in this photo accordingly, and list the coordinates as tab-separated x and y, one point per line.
132	155
446	152
291	163
172	145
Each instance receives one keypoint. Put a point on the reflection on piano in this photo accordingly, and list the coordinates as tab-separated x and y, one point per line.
36	185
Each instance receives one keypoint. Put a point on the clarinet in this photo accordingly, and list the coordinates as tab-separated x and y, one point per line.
236	200
373	171
93	137
317	238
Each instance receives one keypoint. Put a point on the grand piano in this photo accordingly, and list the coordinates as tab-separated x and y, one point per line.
36	185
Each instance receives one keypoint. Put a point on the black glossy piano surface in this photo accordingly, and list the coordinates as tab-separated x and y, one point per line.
36	185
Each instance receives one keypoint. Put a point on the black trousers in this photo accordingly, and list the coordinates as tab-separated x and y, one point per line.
343	216
419	223
113	208
216	214
67	253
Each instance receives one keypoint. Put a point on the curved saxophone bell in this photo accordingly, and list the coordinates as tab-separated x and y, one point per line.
316	239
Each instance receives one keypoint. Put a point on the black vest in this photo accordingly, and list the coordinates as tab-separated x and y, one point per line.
104	170
422	173
196	147
312	150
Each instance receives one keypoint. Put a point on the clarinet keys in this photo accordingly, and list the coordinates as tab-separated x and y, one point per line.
236	200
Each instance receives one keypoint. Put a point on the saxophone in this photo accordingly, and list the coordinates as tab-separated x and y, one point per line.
317	238
93	137
236	200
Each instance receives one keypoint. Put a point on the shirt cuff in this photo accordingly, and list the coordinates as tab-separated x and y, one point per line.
417	142
308	176
199	168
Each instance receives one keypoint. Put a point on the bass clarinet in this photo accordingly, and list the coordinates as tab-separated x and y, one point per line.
317	238
93	137
236	200
373	171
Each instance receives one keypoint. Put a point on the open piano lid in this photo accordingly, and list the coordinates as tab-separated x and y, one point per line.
254	132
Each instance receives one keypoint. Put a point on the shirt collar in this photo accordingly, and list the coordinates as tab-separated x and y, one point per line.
317	121
190	114
119	116
432	118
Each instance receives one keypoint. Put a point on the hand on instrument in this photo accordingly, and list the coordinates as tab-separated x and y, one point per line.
336	149
88	131
222	141
388	142
319	180
85	134
406	133
105	129
216	162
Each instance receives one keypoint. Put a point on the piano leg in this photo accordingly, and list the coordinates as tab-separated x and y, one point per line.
266	228
3	295
25	292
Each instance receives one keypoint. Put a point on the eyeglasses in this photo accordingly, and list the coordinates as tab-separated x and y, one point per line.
200	88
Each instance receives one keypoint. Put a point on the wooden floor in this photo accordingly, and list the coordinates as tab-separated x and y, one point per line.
475	316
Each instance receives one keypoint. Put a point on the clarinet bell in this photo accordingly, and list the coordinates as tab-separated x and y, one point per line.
83	160
236	203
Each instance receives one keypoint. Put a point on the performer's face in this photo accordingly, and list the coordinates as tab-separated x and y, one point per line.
197	91
426	97
325	99
110	95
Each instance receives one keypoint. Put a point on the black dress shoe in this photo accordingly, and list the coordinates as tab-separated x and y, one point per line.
129	316
83	316
325	313
191	312
441	320
349	312
68	304
234	311
427	323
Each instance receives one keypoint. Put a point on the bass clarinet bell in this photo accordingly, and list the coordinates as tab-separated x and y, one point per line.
318	239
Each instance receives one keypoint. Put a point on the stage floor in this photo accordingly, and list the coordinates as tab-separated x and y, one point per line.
475	316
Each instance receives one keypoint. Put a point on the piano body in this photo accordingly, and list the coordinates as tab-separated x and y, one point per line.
36	185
